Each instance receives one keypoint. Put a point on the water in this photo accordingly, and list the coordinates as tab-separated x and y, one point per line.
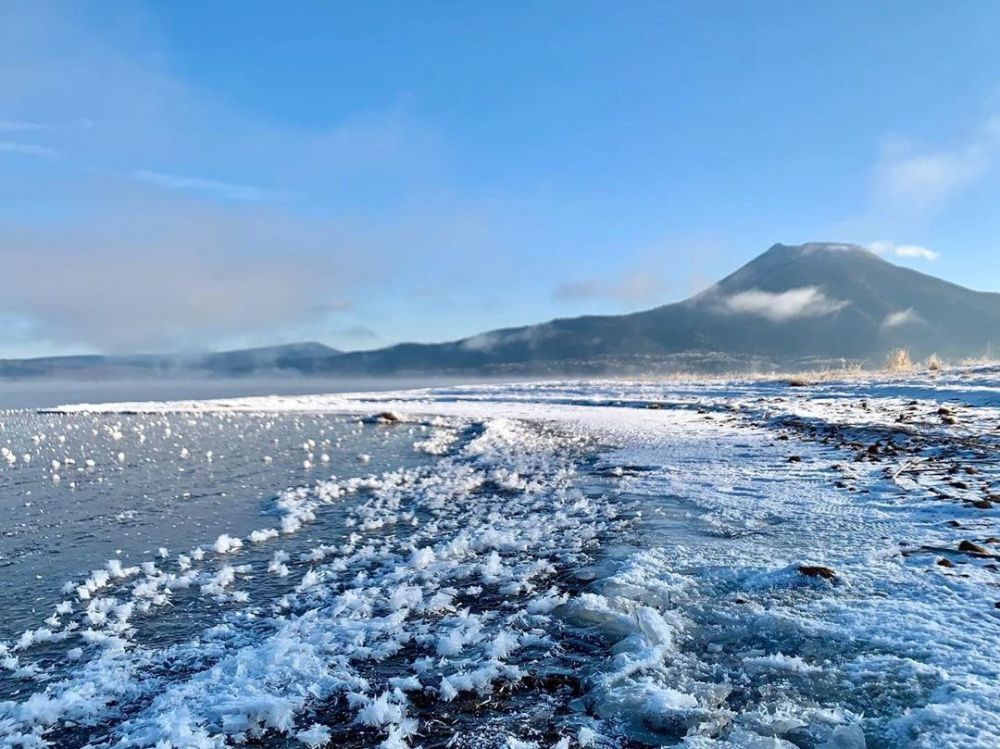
180	483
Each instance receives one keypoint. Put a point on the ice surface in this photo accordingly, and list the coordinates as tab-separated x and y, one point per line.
707	564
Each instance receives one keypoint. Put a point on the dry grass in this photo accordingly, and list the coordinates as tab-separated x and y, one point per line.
899	361
987	358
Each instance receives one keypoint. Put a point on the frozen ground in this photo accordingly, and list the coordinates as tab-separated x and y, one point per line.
605	564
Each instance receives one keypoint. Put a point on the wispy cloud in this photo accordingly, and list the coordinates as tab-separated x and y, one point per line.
783	306
901	317
11	126
216	188
639	286
533	336
28	149
885	247
912	174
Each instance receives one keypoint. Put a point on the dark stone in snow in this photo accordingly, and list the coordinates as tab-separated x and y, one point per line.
970	548
816	571
386	417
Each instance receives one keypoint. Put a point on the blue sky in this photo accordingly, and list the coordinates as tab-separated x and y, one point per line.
181	175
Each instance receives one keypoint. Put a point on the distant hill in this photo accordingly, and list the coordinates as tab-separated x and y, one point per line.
792	307
291	358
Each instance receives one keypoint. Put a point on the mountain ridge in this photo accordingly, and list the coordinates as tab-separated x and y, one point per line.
793	306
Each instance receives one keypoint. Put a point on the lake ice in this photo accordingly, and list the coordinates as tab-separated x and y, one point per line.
706	564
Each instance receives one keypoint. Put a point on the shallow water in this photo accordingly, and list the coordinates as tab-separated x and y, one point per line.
170	483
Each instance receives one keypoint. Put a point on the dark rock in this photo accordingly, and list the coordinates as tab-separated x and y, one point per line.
385	417
817	571
970	548
945	562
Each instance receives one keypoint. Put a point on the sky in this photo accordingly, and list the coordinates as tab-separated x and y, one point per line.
184	176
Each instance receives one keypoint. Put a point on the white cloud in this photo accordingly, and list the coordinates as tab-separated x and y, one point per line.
885	247
901	317
28	149
217	188
783	306
910	175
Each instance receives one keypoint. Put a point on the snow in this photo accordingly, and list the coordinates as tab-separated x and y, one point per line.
315	736
720	563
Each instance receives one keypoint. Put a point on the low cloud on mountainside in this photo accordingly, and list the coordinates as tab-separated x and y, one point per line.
885	247
783	306
901	317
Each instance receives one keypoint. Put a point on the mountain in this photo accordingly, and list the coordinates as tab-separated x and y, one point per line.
290	358
795	306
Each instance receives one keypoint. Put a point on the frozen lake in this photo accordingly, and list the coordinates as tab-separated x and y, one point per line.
607	564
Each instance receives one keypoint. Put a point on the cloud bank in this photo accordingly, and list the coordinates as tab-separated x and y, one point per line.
173	220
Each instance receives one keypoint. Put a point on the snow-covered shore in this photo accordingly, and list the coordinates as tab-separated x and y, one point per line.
731	564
